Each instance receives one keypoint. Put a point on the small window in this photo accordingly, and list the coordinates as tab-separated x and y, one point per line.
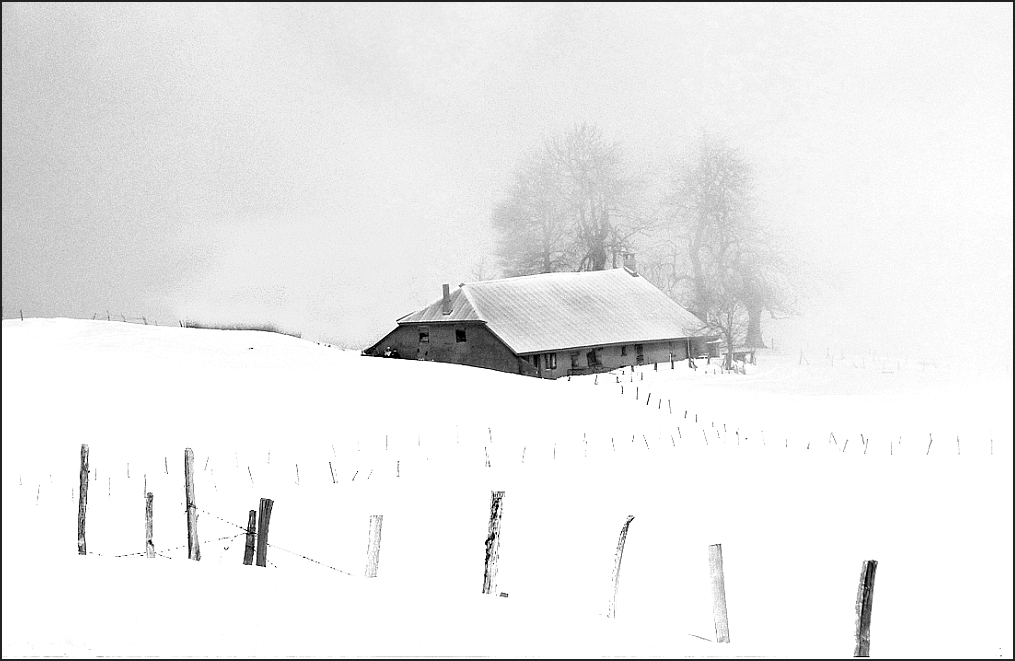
592	358
640	350
459	335
574	360
623	350
424	334
535	360
551	361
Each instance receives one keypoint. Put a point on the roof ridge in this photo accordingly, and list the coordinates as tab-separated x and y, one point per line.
543	275
472	301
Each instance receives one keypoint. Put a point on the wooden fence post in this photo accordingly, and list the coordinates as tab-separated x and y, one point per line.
263	518
83	499
722	626
612	612
493	542
193	543
374	545
248	550
864	602
149	545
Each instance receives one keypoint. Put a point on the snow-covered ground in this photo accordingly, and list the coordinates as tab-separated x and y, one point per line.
800	469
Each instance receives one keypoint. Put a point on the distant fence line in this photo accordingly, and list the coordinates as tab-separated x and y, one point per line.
145	320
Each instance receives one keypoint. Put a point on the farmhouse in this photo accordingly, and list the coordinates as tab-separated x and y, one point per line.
549	325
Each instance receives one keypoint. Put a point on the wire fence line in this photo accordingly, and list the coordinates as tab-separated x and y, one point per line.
162	552
106	315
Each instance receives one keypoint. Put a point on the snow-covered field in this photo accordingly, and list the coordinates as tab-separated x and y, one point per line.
800	471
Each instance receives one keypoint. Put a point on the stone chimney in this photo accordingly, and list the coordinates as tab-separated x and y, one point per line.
630	264
446	308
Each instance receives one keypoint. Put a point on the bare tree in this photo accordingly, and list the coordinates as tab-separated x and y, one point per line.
571	207
725	314
713	254
531	224
769	281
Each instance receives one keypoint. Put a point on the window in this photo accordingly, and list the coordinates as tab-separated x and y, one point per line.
623	350
574	360
459	335
535	360
424	334
640	350
592	358
551	361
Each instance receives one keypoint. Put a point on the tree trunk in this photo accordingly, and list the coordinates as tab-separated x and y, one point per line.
728	363
754	340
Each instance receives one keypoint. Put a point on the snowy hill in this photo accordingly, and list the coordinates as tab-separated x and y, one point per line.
770	464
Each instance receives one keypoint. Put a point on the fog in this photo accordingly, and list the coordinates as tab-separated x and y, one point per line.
327	167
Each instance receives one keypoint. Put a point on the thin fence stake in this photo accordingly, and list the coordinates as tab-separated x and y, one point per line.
722	626
193	543
148	525
330	468
493	542
83	499
618	556
374	545
248	549
864	603
930	443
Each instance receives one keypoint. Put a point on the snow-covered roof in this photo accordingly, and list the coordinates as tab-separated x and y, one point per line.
555	311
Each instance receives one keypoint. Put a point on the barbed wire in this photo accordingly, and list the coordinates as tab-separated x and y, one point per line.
300	555
235	525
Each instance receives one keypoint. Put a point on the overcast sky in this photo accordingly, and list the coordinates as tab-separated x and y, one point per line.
328	167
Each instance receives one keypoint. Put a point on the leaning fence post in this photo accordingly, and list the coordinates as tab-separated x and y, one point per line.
864	602
263	517
148	525
83	499
193	543
374	545
248	550
612	612
493	542
722	626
